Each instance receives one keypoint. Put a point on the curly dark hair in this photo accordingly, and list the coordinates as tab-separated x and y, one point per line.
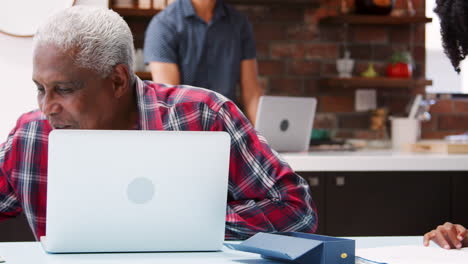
453	16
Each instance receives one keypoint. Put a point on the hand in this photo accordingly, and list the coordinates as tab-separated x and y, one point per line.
448	236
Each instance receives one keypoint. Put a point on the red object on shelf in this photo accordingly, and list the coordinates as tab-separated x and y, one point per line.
399	70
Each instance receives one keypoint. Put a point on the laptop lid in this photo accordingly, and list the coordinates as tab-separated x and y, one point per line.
286	122
124	191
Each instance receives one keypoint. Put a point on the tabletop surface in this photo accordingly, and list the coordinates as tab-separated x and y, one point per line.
32	253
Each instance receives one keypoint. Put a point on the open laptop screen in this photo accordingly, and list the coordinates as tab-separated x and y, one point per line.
286	122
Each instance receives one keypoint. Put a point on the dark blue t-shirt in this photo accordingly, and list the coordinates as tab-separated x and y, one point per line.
208	54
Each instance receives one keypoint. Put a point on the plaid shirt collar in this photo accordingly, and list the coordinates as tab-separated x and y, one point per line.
189	11
149	116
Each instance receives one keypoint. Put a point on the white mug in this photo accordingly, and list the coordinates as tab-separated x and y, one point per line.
405	131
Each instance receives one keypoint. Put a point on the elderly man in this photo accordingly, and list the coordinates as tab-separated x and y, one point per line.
82	67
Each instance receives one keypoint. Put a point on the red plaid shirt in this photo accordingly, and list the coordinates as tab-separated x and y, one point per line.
264	195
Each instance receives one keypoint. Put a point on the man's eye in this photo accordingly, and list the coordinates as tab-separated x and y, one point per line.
40	89
64	90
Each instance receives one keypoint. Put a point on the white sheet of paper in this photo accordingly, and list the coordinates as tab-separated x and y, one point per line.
414	255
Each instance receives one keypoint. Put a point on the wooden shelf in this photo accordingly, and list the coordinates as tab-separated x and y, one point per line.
136	12
376	20
376	82
311	3
144	75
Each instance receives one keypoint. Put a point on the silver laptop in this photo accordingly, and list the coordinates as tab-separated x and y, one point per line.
136	191
286	122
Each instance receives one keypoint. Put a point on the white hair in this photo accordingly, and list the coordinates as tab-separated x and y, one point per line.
97	38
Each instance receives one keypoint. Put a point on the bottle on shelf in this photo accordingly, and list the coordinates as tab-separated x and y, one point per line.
345	65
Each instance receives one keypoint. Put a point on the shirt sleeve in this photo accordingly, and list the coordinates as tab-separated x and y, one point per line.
265	195
9	202
160	42
248	41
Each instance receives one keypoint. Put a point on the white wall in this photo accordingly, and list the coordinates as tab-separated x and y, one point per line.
438	66
17	91
17	94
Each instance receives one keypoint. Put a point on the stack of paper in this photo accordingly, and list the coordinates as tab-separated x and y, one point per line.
414	255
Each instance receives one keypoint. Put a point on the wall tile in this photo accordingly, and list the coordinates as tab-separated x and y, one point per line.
453	122
335	104
271	67
303	68
442	106
286	86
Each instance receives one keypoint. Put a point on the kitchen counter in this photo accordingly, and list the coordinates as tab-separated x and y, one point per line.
384	192
375	160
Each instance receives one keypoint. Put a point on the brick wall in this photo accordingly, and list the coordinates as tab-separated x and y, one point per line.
448	117
294	52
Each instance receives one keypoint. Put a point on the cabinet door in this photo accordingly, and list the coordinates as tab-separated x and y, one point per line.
386	203
316	182
460	198
15	229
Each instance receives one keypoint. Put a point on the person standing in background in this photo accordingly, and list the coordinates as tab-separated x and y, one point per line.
208	44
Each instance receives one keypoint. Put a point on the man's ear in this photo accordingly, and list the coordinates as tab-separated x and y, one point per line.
120	80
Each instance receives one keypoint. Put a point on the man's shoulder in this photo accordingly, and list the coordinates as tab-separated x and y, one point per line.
34	120
173	8
32	116
170	16
183	95
26	142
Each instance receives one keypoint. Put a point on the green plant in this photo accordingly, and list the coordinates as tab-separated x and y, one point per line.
402	57
400	66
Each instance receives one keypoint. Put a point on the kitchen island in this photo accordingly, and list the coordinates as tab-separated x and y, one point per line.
384	192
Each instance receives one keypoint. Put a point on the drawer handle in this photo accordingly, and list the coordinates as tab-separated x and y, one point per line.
340	181
314	181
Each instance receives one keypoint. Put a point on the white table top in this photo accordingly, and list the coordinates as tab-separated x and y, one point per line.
384	241
32	253
375	160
